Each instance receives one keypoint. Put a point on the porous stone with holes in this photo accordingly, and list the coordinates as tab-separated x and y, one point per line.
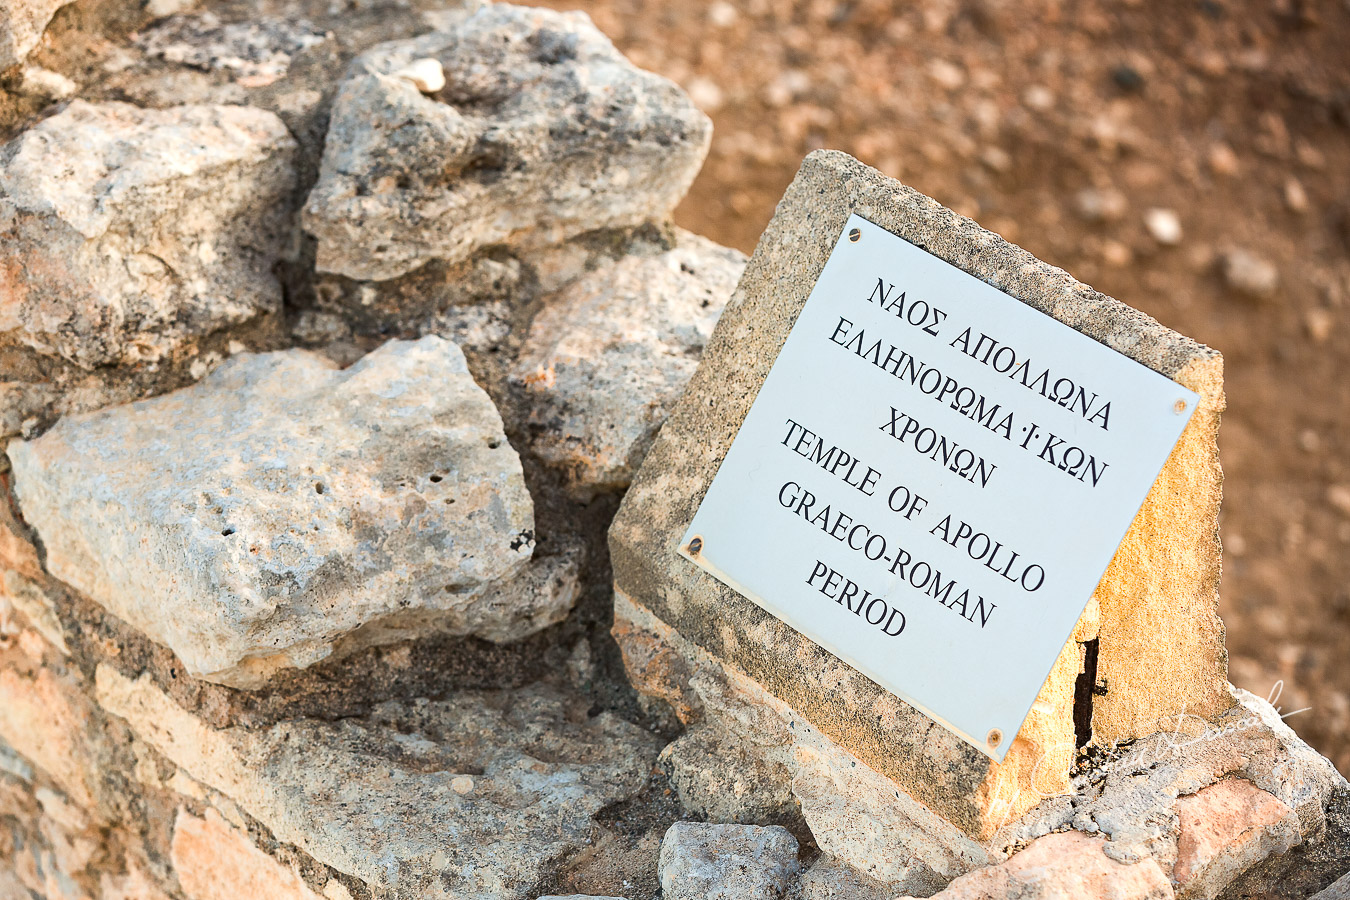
700	861
473	796
126	232
281	507
542	131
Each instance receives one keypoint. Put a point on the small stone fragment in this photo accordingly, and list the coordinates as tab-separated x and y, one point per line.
1114	253
1295	197
1222	160
946	74
543	131
159	8
833	879
787	87
539	596
723	14
705	93
1250	275
727	862
1038	97
426	74
1338	495
1101	205
254	519
1310	156
46	83
997	159
125	232
608	356
1164	225
214	861
1319	322
1127	78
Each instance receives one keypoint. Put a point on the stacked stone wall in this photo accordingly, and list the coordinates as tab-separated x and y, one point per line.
330	340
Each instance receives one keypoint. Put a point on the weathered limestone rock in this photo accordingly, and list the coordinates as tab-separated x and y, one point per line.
257	52
214	861
1224	830
1065	866
607	358
46	719
17	553
251	521
61	854
1159	640
653	666
722	778
1340	890
542	131
125	231
727	862
830	879
858	816
468	797
21	25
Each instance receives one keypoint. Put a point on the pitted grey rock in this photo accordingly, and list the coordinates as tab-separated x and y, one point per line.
727	862
608	357
542	131
253	520
126	232
473	797
726	779
258	51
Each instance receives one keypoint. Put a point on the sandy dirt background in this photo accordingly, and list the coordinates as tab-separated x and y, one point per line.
1189	158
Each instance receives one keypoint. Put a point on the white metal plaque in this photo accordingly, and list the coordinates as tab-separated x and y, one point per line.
932	480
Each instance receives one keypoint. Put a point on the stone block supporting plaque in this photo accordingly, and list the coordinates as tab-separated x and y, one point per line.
1147	650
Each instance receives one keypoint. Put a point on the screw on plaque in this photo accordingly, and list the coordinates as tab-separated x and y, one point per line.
695	546
1179	407
994	738
855	235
